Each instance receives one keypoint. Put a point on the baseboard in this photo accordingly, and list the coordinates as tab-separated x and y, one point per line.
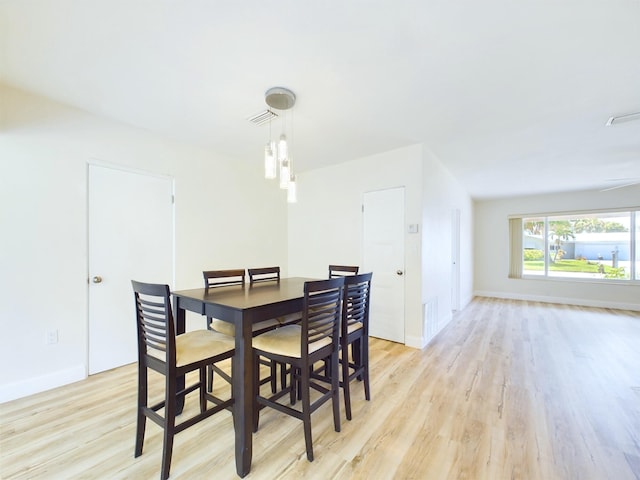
12	391
583	302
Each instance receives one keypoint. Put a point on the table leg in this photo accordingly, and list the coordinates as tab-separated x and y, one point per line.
243	393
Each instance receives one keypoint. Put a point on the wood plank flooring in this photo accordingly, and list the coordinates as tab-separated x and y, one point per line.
509	390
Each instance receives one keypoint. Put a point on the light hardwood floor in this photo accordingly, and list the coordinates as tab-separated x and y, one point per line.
509	390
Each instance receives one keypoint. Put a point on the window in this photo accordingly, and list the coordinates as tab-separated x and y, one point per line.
600	245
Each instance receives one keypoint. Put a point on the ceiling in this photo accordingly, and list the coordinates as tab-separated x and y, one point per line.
512	97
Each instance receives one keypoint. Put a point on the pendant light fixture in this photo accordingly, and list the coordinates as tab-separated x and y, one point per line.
277	157
270	157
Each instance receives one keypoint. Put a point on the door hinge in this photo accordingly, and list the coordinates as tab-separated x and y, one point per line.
362	208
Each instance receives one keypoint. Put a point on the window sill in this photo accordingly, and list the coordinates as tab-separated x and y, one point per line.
601	281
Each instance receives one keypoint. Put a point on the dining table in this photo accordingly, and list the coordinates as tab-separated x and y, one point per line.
243	306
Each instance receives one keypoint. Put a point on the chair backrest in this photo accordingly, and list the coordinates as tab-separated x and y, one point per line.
321	311
221	278
266	274
342	270
154	319
355	307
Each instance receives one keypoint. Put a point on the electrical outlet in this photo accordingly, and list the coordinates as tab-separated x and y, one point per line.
52	337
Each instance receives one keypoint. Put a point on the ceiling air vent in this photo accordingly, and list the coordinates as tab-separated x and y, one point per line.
623	118
263	117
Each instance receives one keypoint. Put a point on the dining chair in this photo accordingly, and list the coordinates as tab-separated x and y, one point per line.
342	270
161	350
300	346
265	274
272	274
234	277
354	332
223	278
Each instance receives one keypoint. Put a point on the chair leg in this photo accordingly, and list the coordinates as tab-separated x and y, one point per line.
295	381
327	367
209	367
201	390
141	420
209	378
283	375
345	381
306	412
356	354
169	426
335	391
274	376
365	364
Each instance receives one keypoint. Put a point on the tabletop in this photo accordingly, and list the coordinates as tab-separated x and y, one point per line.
249	296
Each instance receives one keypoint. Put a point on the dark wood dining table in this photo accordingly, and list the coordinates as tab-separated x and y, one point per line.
242	306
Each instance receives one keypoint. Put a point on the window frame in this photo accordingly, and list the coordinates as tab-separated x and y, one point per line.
517	251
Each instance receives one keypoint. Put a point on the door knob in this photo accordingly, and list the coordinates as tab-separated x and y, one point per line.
399	272
97	279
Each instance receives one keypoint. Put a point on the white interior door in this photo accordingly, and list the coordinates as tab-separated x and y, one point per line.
383	249
455	260
130	237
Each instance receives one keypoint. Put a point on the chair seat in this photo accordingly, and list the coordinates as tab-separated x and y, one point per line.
197	345
354	326
229	329
286	341
290	318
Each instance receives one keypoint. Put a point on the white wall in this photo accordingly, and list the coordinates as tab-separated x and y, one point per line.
44	150
325	226
442	195
492	250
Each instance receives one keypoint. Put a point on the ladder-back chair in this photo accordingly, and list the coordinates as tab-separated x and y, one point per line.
159	349
354	332
229	278
342	270
300	346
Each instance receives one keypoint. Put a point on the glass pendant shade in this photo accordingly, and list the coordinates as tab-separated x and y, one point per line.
269	161
282	148
285	174
291	190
